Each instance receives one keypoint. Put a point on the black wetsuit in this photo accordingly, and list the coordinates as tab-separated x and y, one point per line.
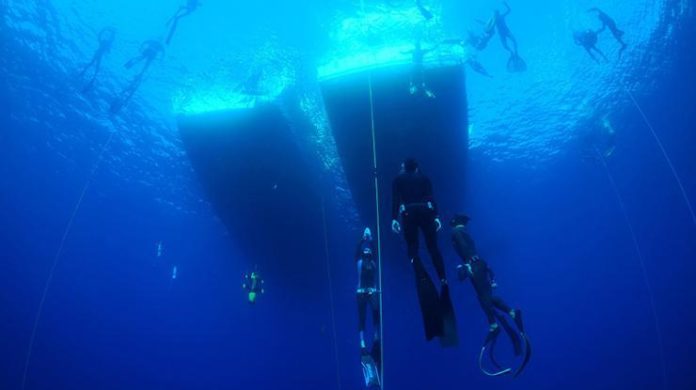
414	192
477	270
367	293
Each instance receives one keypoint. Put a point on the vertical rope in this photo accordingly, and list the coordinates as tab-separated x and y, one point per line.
56	258
664	153
641	261
378	218
379	227
331	297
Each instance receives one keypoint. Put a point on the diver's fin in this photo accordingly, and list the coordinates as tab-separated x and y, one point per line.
527	355
518	320
491	353
429	301
449	336
512	334
376	354
489	373
370	372
516	64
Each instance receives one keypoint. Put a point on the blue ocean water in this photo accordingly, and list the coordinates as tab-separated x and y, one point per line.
121	269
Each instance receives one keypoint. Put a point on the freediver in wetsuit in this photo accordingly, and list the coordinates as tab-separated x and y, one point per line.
107	37
588	40
483	280
499	22
253	285
609	22
149	52
414	204
367	295
183	11
418	71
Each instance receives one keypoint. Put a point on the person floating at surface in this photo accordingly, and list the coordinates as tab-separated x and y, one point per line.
424	11
588	40
149	52
367	294
499	22
418	71
185	10
414	204
106	41
609	22
483	280
253	285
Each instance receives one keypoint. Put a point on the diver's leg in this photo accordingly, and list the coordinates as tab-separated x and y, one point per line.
411	235
376	316
172	29
134	61
589	51
486	302
362	317
514	44
430	232
499	304
91	63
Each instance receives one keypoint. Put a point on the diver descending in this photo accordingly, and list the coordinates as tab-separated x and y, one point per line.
483	280
253	285
588	40
414	204
149	52
367	294
499	23
418	85
423	11
183	11
106	41
608	22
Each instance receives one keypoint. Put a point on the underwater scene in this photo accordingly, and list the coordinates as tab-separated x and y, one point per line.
347	194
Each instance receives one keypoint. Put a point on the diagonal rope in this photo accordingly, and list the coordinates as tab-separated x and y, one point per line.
57	257
641	261
331	296
664	153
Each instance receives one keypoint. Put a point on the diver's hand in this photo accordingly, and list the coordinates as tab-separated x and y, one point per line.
438	224
396	226
494	284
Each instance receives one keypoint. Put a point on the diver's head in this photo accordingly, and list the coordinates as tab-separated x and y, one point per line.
459	220
410	165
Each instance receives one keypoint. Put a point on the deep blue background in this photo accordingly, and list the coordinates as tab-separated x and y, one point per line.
556	237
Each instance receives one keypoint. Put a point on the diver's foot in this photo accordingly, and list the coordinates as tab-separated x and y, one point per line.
429	94
412	90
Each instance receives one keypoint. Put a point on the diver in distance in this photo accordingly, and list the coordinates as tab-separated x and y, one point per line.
183	11
424	11
149	52
483	280
367	295
610	23
588	40
107	36
418	84
253	285
413	203
499	22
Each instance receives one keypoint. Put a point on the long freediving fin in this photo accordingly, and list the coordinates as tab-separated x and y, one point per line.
527	345
370	372
512	334
429	301
449	336
489	344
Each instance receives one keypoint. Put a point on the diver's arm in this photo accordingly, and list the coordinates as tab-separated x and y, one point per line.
429	196
396	199
507	9
360	263
459	244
